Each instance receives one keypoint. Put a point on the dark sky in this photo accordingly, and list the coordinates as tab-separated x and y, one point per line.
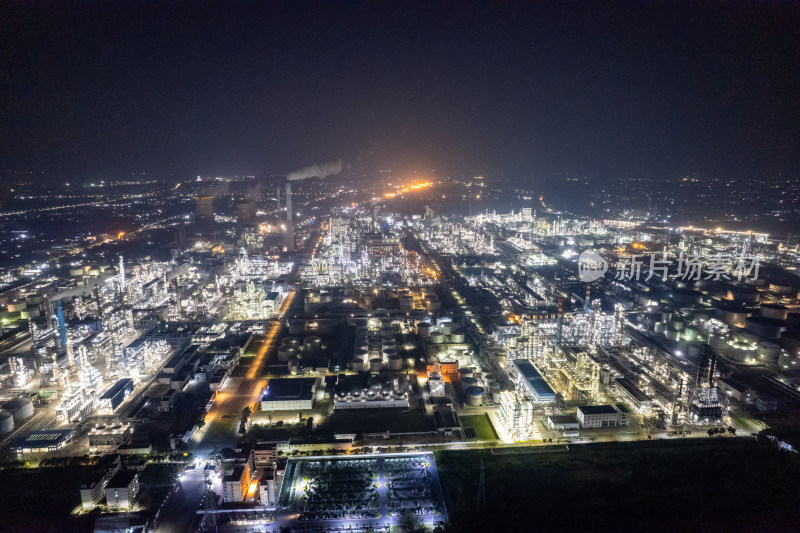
538	89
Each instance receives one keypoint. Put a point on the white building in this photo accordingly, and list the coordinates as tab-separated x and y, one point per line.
601	416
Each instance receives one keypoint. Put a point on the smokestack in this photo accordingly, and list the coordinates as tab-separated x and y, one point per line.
278	198
289	218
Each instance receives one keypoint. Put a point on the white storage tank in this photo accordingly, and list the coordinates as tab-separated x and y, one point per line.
389	352
358	365
467	382
424	329
475	396
446	328
457	335
6	422
395	362
375	364
21	408
437	337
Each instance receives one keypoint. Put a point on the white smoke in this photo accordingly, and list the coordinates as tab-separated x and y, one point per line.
319	171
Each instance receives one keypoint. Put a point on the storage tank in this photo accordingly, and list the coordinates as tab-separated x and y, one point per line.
673	335
465	372
424	329
768	352
358	365
361	353
660	327
286	352
6	422
375	364
741	352
291	341
776	311
437	337
21	408
312	344
389	352
445	328
457	335
788	361
742	294
475	396
467	382
717	342
395	362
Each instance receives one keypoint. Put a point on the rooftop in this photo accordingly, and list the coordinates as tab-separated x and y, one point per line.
282	389
597	409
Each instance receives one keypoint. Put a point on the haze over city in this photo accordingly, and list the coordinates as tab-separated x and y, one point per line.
399	266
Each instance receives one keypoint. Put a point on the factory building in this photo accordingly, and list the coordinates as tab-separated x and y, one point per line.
601	416
122	489
289	394
532	383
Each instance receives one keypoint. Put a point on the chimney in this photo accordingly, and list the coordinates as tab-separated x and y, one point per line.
289	218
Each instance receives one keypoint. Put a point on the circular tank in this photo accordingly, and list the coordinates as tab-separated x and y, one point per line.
741	352
465	372
286	352
673	335
467	382
20	408
424	329
741	294
457	335
375	364
660	327
395	362
475	396
768	352
733	316
6	422
717	341
437	337
358	365
312	344
445	328
291	341
776	311
788	361
361	353
389	352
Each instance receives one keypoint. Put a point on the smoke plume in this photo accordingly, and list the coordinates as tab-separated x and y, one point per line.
319	171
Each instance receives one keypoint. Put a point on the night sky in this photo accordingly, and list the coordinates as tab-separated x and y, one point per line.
536	90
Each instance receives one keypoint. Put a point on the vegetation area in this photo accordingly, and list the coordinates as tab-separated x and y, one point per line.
481	424
701	484
42	499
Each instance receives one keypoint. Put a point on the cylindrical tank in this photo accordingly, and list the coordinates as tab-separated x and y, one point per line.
361	353
286	352
467	382
465	372
424	329
446	328
768	352
475	396
776	311
457	335
660	327
672	334
6	422
375	364
741	352
788	361
21	408
395	362
389	352
437	337
717	341
312	344
358	365
291	341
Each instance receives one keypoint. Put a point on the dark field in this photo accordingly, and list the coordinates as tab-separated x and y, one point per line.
721	484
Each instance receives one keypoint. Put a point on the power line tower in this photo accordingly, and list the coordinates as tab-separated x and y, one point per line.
210	504
481	499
